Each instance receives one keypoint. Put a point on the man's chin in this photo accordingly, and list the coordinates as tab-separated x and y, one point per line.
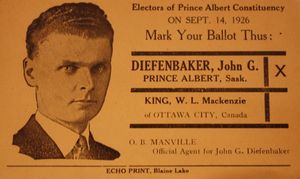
81	119
77	124
75	118
81	116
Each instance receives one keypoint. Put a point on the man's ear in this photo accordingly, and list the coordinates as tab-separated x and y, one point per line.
29	71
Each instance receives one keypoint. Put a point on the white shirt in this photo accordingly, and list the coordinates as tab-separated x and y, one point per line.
64	138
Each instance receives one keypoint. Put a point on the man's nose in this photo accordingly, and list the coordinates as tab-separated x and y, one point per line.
86	80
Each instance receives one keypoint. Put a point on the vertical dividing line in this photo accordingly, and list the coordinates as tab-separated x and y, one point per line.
267	107
266	84
266	71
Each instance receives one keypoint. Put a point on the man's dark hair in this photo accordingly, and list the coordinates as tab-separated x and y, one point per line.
83	19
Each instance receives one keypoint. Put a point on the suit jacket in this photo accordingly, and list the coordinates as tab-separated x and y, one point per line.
36	143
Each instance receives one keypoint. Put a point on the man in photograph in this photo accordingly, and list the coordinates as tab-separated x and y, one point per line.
69	50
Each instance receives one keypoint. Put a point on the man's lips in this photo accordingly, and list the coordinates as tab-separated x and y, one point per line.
84	102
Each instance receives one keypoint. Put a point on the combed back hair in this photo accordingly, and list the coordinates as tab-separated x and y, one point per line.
83	19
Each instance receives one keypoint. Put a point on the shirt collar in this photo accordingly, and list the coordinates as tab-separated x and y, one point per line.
64	138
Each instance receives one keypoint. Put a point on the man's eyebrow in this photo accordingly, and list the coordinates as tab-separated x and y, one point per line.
70	62
76	63
100	60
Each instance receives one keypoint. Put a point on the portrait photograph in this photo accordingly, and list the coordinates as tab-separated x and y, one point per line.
149	89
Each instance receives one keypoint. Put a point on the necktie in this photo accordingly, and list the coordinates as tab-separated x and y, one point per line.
80	150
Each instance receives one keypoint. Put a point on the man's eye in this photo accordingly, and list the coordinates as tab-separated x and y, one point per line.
70	68
99	68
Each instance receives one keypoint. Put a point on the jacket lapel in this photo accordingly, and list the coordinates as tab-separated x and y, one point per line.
100	151
35	142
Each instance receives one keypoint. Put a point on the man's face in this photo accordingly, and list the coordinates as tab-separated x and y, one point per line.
72	75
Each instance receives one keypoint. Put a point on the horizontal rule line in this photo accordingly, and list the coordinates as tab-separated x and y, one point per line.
61	166
208	53
204	90
124	166
156	126
222	165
